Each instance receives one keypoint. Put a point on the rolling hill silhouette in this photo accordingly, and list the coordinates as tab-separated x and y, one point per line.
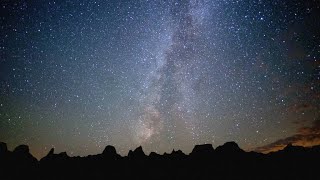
228	161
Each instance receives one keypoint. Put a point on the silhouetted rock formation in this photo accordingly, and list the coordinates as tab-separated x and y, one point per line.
63	155
22	153
136	154
228	161
229	147
109	150
3	148
51	152
22	149
202	150
110	153
19	164
176	154
293	149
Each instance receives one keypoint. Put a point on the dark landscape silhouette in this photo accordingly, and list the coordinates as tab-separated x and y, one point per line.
204	162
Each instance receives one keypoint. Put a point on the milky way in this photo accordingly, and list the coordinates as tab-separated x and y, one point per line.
168	96
80	75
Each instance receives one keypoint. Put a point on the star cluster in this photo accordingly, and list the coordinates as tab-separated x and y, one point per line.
79	75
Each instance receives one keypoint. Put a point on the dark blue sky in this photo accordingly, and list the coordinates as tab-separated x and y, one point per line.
79	75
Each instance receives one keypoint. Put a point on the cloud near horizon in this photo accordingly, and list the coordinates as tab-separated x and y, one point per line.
305	136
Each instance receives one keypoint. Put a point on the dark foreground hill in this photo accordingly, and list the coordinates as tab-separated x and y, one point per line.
204	162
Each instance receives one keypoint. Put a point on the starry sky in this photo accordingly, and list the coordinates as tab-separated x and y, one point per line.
80	75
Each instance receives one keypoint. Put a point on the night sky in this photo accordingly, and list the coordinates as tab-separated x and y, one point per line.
80	75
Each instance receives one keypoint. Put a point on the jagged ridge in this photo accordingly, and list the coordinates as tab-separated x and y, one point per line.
227	161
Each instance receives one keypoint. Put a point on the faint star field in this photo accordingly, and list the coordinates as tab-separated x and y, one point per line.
80	75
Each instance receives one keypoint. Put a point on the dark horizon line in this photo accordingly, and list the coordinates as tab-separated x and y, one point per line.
140	148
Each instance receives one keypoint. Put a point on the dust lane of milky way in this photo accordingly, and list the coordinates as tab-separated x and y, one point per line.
80	75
